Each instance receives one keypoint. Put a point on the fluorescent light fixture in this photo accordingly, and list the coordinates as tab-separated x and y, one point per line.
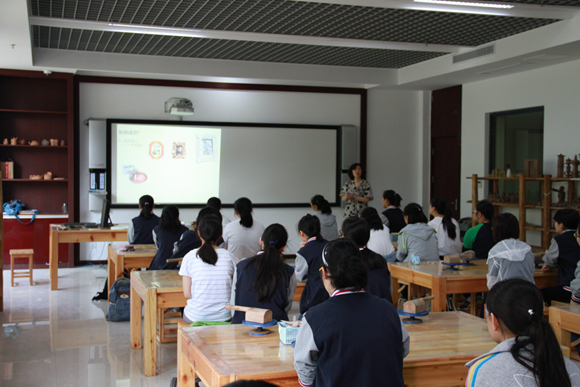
465	4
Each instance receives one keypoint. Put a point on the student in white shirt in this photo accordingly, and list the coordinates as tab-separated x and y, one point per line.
447	228
242	238
207	275
380	240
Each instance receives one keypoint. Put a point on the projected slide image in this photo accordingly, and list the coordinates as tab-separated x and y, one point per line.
174	164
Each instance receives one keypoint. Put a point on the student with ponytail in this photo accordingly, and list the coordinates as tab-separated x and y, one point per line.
379	277
352	330
165	235
323	212
446	227
140	231
265	281
207	275
242	237
417	238
528	354
380	238
308	262
393	214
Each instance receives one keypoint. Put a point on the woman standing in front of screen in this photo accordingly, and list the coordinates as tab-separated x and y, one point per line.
242	238
356	193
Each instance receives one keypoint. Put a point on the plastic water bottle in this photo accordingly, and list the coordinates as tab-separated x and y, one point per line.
64	208
415	260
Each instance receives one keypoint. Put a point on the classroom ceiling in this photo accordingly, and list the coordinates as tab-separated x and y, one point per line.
276	31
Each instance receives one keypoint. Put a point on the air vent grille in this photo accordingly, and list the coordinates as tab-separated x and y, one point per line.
477	53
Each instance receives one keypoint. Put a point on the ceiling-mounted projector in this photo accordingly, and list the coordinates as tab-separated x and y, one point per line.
179	106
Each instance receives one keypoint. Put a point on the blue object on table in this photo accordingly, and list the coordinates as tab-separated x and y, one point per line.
260	331
467	261
415	259
452	265
413	316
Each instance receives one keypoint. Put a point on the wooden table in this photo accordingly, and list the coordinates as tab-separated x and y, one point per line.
565	320
60	235
470	279
219	355
158	289
118	261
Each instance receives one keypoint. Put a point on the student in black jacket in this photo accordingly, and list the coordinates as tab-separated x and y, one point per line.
165	235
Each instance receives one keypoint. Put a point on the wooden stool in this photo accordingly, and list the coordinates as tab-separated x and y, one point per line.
16	254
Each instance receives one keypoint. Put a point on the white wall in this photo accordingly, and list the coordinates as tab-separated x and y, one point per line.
146	102
556	88
397	146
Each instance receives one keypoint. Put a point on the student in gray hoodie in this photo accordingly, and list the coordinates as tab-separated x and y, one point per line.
417	238
528	353
322	210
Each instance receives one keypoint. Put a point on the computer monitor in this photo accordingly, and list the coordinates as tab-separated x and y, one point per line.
105	214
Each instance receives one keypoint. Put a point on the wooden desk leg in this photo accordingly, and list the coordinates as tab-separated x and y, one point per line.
395	291
473	304
439	289
185	371
53	260
135	319
150	341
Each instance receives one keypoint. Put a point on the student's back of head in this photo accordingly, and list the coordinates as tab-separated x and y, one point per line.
215	203
243	207
413	213
519	306
440	206
568	217
169	220
269	265
486	209
205	211
310	225
371	216
146	202
210	230
393	197
505	226
321	204
341	258
359	231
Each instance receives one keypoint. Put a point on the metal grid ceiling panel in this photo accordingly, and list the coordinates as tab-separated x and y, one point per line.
158	45
298	18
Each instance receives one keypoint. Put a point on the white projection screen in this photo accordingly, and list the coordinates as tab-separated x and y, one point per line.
185	163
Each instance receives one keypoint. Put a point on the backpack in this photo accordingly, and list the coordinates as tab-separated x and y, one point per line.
120	304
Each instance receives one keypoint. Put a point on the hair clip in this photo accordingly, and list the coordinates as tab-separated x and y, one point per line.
531	313
273	242
146	203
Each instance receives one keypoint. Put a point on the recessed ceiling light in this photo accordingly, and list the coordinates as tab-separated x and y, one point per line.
466	4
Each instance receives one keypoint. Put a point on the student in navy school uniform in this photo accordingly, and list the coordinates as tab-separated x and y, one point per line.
265	281
139	232
379	278
308	262
393	214
353	338
165	235
564	254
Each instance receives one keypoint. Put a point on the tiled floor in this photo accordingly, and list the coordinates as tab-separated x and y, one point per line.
60	338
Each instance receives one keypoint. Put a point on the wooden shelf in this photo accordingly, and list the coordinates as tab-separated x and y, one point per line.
35	146
32	111
34	181
512	178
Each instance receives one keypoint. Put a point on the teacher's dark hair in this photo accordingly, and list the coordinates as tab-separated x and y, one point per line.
440	206
359	231
169	220
341	258
372	217
209	230
322	204
414	213
505	226
269	266
146	203
352	168
310	225
519	306
244	208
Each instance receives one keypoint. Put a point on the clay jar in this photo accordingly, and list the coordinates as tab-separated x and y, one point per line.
45	142
6	142
22	142
62	143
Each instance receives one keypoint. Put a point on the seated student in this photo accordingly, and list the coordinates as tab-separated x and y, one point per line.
165	235
139	232
446	227
217	204
379	277
564	254
322	210
265	281
242	238
207	275
509	257
417	238
190	239
332	349
380	239
575	283
479	238
393	214
528	353
308	262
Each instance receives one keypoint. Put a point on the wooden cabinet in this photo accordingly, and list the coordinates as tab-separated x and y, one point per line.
34	106
545	205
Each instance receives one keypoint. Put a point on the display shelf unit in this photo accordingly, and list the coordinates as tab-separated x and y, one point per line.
547	206
34	106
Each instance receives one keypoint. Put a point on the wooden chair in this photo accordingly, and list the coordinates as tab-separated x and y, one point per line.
167	326
19	254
